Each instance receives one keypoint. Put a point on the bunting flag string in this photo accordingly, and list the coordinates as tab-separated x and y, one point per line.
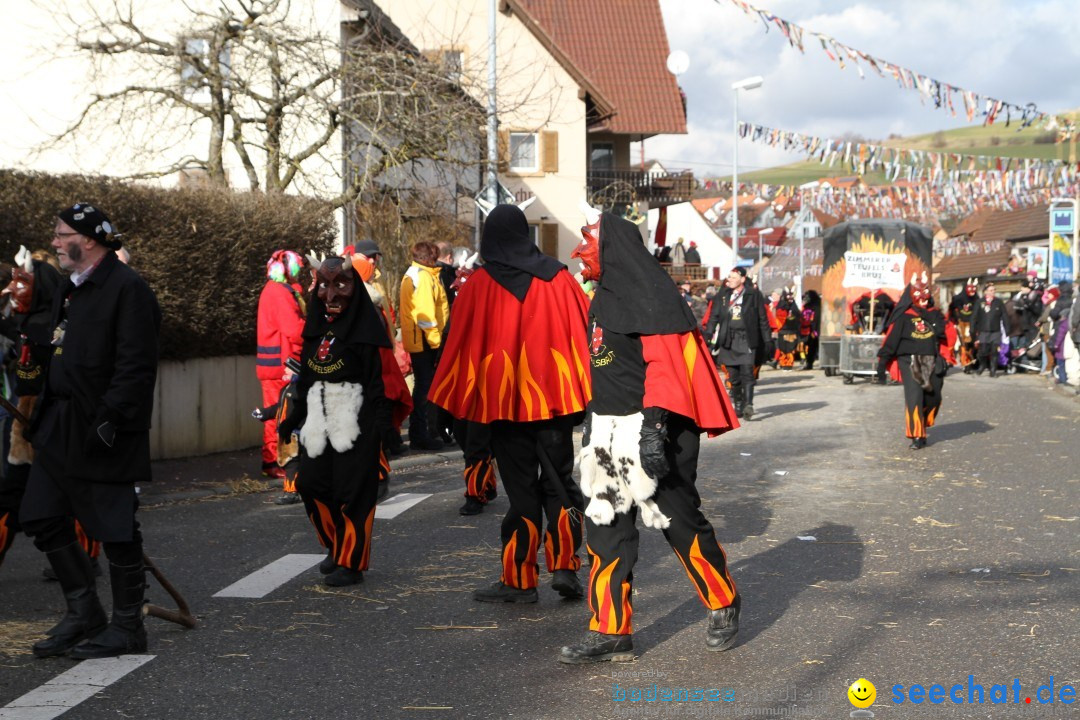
916	166
940	93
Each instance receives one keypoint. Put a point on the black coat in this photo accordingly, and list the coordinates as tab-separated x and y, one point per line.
758	332
110	357
988	320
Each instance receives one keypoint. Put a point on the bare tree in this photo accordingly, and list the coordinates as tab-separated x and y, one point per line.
262	85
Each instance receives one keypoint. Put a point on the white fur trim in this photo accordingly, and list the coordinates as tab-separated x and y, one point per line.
333	414
611	474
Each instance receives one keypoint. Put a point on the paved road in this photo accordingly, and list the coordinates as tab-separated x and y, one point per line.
856	558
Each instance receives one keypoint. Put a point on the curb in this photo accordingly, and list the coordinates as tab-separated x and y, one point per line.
409	461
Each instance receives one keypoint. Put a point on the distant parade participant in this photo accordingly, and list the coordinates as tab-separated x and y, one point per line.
343	413
654	392
737	329
989	318
787	337
33	284
278	325
809	329
91	437
517	358
913	348
961	313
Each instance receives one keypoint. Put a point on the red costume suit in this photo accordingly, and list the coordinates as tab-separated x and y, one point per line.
915	350
655	389
342	406
280	320
517	359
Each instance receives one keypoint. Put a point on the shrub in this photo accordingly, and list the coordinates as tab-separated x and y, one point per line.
203	251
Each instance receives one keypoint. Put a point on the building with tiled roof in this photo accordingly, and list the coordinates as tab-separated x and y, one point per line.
577	83
994	245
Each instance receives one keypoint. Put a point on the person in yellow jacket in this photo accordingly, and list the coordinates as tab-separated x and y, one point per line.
424	311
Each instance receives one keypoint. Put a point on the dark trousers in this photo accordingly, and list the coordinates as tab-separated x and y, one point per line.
614	548
742	383
989	347
339	490
423	365
920	406
53	533
475	441
536	460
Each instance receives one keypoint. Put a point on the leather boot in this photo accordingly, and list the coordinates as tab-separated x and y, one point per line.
723	627
125	632
737	399
85	616
598	647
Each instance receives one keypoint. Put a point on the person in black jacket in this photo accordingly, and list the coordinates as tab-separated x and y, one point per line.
986	327
738	332
91	436
914	343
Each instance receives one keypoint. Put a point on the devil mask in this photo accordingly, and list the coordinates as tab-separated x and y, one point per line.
920	291
971	288
22	290
588	252
335	284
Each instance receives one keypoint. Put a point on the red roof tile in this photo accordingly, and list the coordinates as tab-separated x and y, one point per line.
704	204
621	48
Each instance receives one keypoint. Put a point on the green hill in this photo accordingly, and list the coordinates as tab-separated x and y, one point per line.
995	140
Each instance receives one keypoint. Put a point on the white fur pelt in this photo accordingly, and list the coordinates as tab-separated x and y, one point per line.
611	474
333	413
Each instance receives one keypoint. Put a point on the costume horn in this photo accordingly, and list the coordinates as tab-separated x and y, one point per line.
471	261
914	277
591	213
315	261
24	259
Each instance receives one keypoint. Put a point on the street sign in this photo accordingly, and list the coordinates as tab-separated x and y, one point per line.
1062	220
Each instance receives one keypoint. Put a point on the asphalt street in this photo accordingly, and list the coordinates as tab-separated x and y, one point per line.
856	558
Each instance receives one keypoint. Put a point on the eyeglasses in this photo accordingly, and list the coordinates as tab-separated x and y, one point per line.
65	234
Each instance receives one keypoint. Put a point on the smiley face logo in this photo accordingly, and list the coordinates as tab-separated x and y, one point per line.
862	693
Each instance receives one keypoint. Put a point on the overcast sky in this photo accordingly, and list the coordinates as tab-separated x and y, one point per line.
1018	51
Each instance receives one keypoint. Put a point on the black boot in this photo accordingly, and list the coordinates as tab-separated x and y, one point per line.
567	584
724	626
125	632
85	616
328	563
598	647
737	399
748	406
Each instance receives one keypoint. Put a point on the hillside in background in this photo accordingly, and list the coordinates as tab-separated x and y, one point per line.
995	140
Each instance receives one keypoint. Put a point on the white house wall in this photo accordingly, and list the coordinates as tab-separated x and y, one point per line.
534	93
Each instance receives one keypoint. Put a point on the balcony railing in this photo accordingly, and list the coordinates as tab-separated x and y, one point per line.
627	186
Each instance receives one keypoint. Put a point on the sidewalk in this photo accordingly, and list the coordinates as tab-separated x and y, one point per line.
237	472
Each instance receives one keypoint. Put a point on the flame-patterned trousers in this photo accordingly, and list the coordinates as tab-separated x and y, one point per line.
339	490
920	406
613	548
536	463
12	487
475	441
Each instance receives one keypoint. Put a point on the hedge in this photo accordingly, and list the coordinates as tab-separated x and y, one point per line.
203	251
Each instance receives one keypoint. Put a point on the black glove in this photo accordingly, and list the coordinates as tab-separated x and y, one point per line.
651	444
102	434
586	430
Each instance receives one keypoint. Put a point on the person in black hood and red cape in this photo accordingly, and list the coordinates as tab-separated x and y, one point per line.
517	359
342	407
916	348
655	389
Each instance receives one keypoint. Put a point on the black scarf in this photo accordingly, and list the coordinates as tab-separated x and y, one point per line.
510	256
635	295
358	325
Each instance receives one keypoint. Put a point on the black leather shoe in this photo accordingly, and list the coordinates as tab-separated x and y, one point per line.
598	647
748	411
498	592
567	584
328	564
343	576
723	626
472	506
287	498
85	617
916	444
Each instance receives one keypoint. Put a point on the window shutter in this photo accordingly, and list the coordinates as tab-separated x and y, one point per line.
549	239
550	149
503	150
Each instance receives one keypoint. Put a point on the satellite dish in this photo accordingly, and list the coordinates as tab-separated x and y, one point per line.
678	62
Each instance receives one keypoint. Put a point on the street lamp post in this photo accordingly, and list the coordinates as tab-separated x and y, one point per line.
761	254
745	84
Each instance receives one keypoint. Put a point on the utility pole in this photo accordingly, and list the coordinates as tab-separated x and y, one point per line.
493	120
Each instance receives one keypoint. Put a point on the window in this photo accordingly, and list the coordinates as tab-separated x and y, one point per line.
534	234
602	156
523	152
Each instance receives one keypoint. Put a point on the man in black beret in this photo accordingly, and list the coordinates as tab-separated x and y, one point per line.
91	434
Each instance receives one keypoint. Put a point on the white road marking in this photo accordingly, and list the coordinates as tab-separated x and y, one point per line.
393	506
68	689
265	580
